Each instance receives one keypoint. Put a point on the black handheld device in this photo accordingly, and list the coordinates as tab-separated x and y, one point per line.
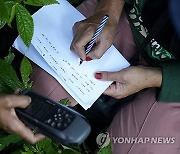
54	120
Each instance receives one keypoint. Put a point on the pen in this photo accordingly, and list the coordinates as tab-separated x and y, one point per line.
96	34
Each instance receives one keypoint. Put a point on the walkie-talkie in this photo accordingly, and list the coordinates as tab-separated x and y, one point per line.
54	120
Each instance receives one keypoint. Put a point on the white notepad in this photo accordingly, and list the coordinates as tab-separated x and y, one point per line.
50	49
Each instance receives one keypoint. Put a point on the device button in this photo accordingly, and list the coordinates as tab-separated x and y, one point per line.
64	112
59	115
53	124
59	110
67	115
49	121
59	125
65	125
60	119
68	120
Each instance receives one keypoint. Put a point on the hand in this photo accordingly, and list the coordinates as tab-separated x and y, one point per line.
131	80
83	32
9	120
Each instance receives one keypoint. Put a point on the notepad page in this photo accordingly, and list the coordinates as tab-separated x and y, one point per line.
52	38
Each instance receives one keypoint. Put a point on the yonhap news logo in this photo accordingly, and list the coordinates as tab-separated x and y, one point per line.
103	140
143	140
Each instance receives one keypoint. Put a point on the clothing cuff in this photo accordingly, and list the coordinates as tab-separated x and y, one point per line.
170	88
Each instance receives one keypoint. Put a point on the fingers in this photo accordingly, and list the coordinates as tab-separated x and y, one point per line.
81	38
83	33
10	122
109	76
118	88
78	46
20	129
115	90
12	101
98	49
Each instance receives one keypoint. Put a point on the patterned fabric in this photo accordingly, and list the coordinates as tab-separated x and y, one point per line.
154	49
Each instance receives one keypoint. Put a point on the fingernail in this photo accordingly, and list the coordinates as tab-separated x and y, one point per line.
98	75
29	99
88	58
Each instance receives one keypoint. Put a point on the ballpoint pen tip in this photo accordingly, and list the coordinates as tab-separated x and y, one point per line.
80	62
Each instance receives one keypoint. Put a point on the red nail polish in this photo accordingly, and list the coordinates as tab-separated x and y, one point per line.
98	75
88	58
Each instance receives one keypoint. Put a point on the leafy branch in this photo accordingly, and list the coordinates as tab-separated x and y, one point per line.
10	9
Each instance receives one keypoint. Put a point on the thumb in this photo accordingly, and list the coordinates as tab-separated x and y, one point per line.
98	50
108	76
18	101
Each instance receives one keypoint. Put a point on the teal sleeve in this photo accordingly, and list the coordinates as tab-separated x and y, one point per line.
170	89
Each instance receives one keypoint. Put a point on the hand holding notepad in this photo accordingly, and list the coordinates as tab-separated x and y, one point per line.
50	50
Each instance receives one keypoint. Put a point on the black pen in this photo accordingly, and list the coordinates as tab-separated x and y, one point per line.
96	34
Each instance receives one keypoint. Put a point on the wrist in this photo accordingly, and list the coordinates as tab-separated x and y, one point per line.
154	76
112	8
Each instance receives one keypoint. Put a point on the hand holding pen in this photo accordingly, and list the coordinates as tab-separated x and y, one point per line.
84	31
96	34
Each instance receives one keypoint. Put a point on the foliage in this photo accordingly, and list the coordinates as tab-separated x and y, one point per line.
10	57
26	70
105	150
9	77
16	8
7	139
44	147
65	101
10	80
25	24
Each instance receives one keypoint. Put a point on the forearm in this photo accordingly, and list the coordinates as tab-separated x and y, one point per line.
111	7
153	76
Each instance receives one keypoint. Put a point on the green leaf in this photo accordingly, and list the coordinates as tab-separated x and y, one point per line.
29	148
51	147
45	146
105	150
26	70
2	23
29	152
65	101
4	88
12	8
9	5
5	141
26	148
10	57
70	151
25	24
41	2
9	76
17	151
3	11
40	145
